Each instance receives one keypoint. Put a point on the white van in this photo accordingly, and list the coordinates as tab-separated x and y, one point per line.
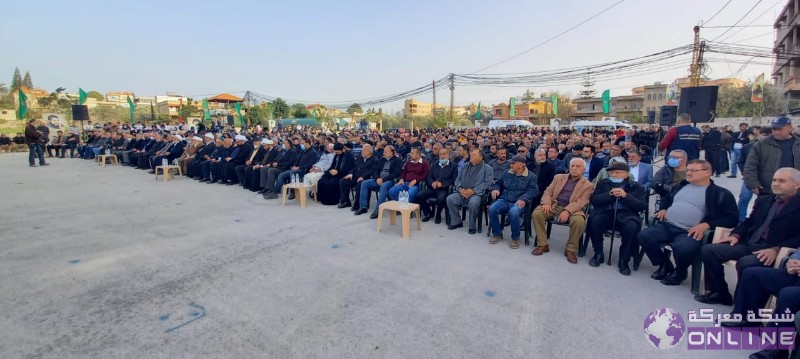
493	124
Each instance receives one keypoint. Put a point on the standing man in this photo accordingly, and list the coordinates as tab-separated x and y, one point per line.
781	149
33	138
683	136
712	144
740	139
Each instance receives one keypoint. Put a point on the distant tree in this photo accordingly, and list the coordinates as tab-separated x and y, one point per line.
188	109
527	97
299	110
16	81
588	86
736	102
96	95
280	108
354	109
27	80
47	101
3	89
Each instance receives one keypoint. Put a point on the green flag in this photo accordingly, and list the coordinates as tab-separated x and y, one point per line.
239	112
81	96
478	113
206	111
512	107
131	107
23	105
554	100
606	101
314	113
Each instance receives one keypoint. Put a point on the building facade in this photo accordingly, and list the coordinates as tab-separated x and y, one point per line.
786	71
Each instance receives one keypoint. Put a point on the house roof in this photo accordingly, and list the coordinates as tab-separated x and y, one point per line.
225	97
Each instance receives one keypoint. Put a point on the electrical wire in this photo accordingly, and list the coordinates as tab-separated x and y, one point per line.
738	21
718	11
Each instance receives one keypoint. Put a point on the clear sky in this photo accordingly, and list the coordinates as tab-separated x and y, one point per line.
334	51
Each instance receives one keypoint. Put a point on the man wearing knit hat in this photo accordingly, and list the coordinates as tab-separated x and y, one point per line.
617	202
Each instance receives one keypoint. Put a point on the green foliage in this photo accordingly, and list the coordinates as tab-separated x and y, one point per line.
299	111
27	80
280	108
109	114
354	109
96	95
735	102
189	109
3	89
16	81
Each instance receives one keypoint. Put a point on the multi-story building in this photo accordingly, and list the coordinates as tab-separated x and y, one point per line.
621	107
654	96
412	107
531	111
119	98
786	71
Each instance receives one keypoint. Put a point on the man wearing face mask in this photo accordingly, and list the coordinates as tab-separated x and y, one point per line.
674	172
441	176
616	197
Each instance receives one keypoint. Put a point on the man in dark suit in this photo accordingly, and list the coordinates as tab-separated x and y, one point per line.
240	154
364	169
256	156
756	241
307	158
544	170
386	172
642	172
204	154
209	167
441	176
142	159
593	164
174	151
252	175
283	162
616	197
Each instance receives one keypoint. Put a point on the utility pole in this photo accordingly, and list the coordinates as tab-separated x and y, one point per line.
433	86
695	69
452	95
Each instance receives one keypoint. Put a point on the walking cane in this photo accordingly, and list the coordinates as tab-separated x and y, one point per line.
613	231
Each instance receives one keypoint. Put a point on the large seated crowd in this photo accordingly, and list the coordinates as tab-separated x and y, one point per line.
593	181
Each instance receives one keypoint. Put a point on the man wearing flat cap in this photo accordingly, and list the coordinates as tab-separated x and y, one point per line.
512	191
780	149
617	202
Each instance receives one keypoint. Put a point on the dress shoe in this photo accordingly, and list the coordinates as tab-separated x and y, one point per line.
472	231
770	354
354	208
344	205
426	217
514	244
291	196
663	271
673	279
454	226
151	171
270	195
571	257
211	181
373	215
44	164
597	259
437	220
263	191
360	211
540	250
624	269
230	184
495	239
731	176
33	165
715	298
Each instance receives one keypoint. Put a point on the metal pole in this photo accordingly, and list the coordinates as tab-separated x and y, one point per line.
452	95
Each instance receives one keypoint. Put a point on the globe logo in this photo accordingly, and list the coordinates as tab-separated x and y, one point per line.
664	328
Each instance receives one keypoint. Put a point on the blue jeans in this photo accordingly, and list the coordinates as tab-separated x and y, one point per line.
285	177
394	192
745	195
735	154
36	151
371	185
499	207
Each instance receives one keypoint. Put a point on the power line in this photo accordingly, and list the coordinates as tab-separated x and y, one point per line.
718	11
550	39
752	21
738	21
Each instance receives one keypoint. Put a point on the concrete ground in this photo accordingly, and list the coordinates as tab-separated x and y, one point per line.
109	263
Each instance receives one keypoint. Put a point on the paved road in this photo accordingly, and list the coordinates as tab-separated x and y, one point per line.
109	263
